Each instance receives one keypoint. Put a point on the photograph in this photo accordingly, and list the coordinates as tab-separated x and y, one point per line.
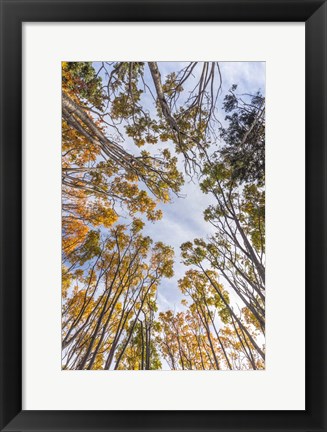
170	195
163	215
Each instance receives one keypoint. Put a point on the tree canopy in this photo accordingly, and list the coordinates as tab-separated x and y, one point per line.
132	136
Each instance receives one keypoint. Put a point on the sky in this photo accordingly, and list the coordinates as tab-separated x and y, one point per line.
183	217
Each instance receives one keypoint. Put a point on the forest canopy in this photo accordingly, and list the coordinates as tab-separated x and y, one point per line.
139	140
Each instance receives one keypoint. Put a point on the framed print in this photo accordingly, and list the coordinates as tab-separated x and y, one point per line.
162	163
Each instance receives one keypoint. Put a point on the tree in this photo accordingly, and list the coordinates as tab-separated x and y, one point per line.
186	118
104	302
243	138
236	251
100	179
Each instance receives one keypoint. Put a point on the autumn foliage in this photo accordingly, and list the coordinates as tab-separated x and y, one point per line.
131	137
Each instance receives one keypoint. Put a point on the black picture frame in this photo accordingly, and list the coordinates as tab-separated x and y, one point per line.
13	14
